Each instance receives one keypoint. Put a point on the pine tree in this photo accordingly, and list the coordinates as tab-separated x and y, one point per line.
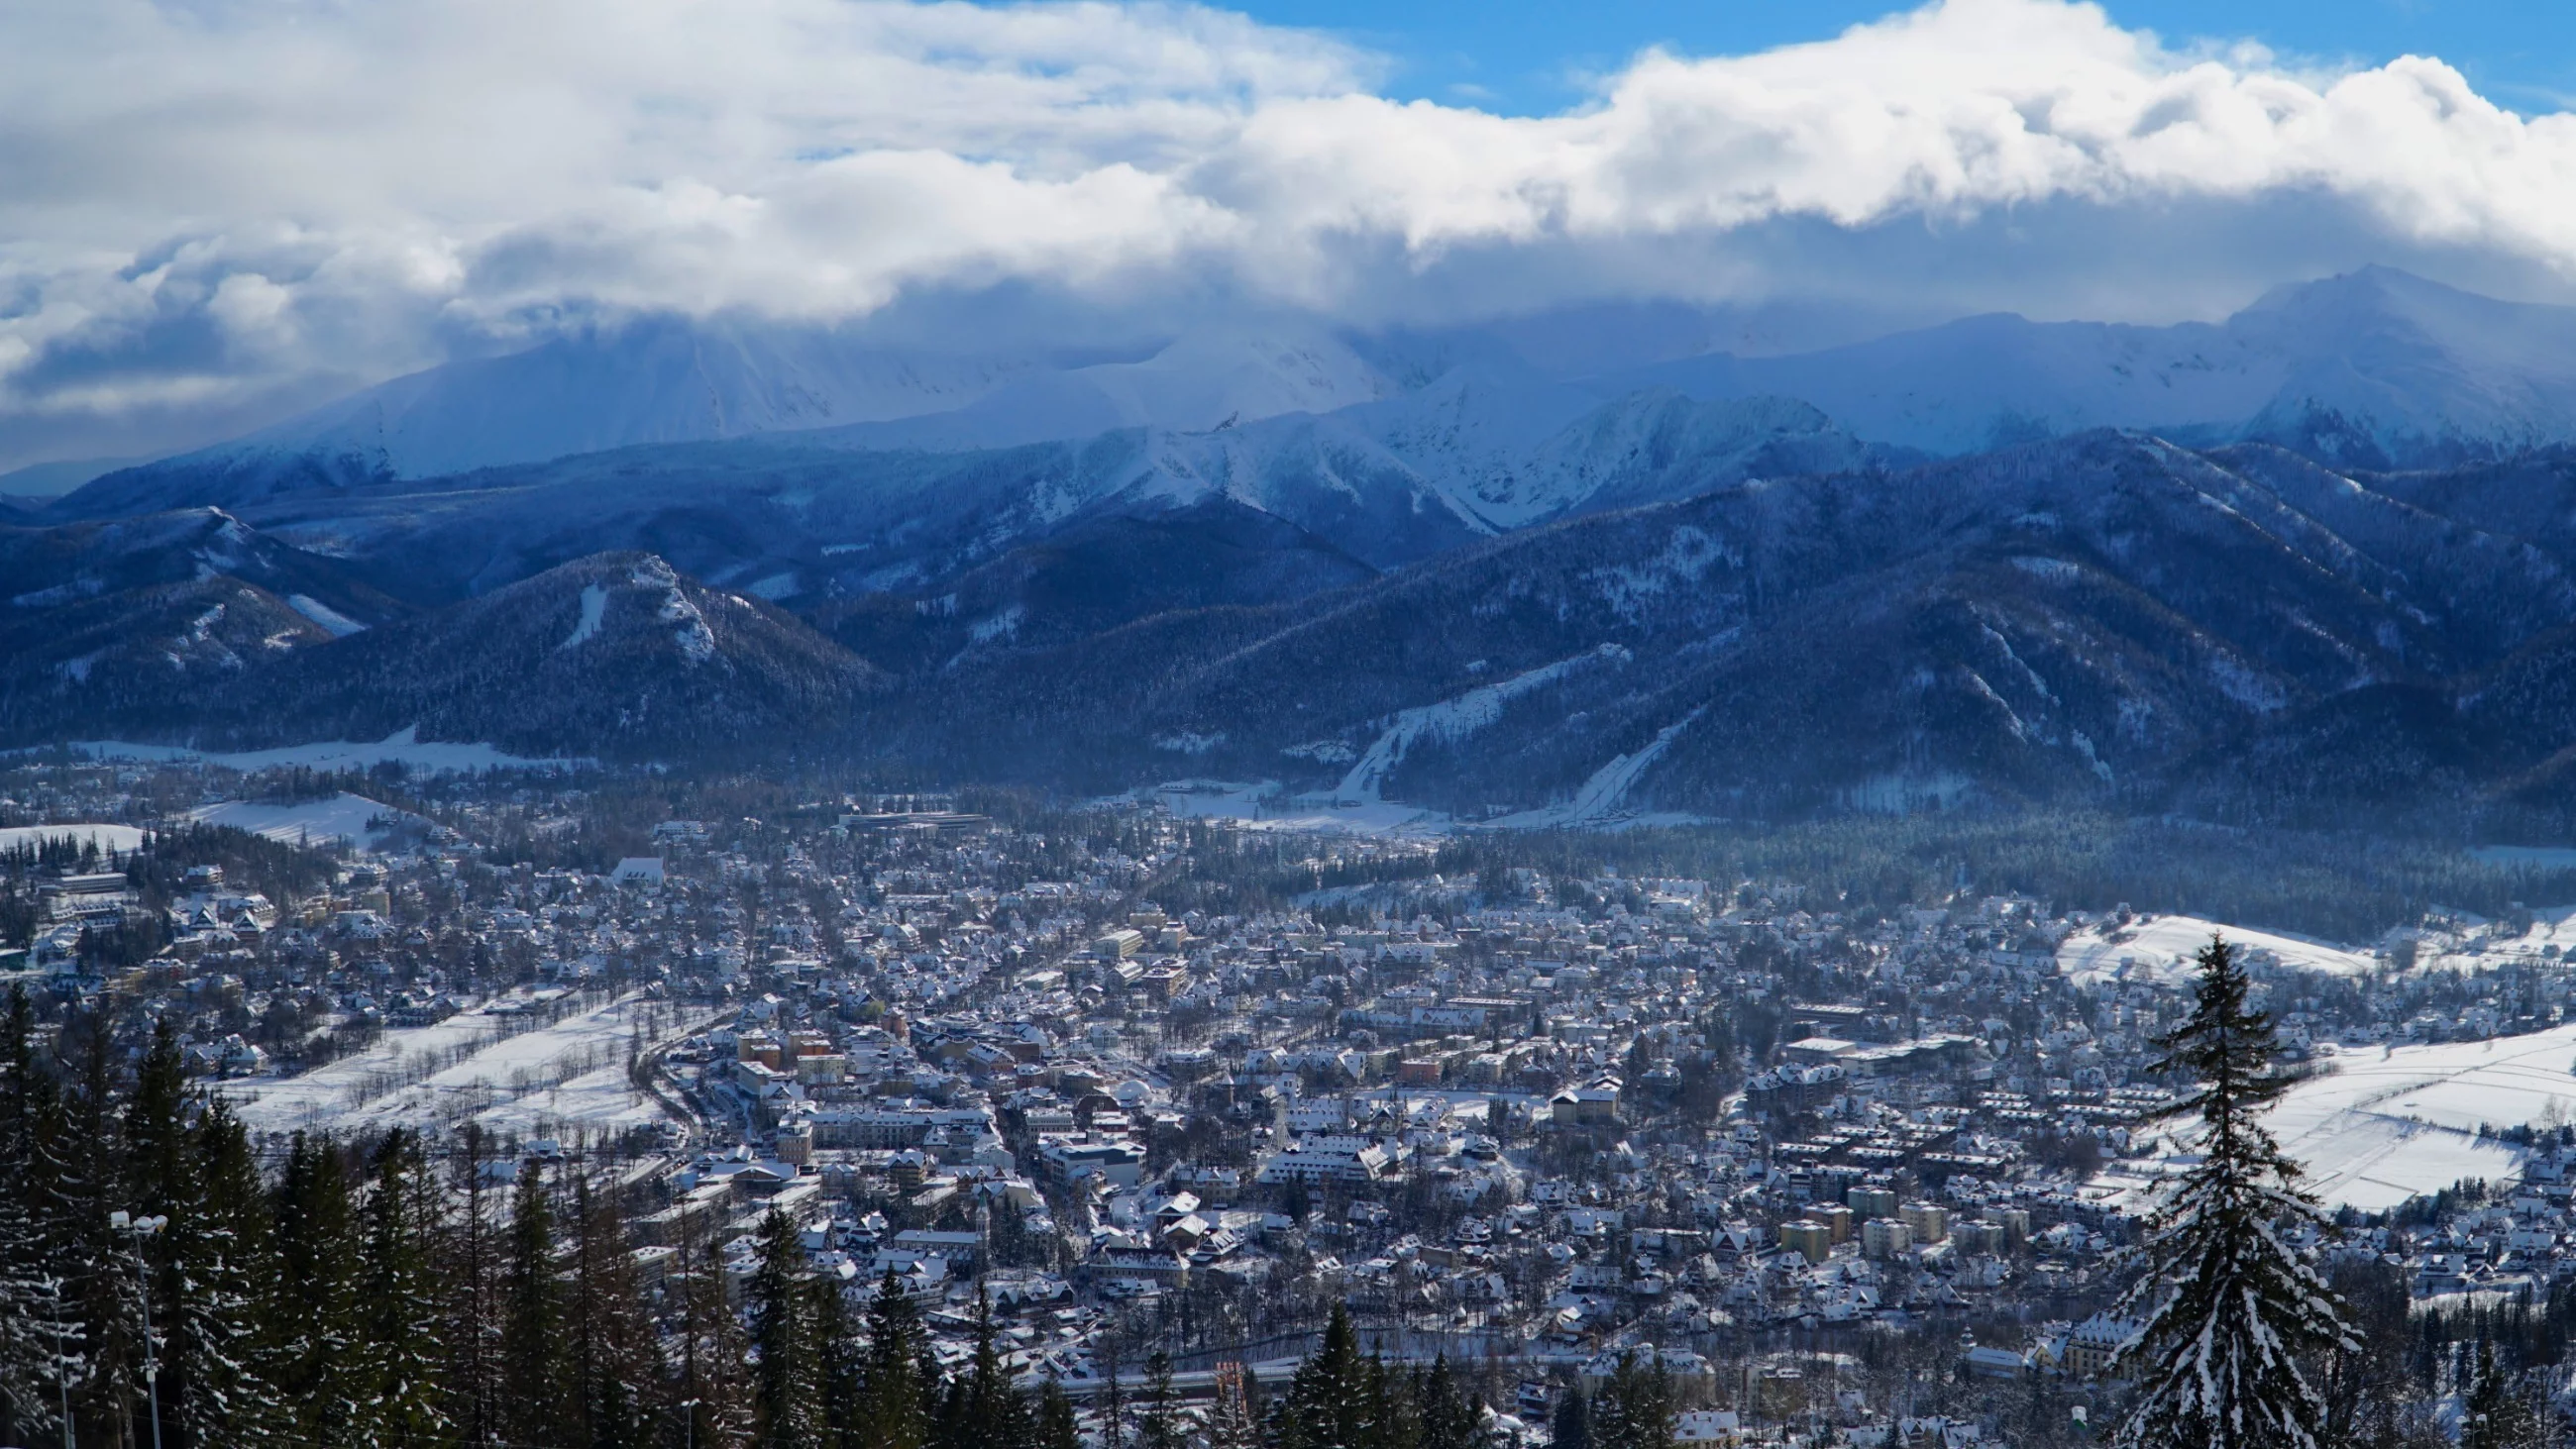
840	1366
401	1403
34	1328
532	1319
783	1397
221	1244
1326	1404
100	1267
611	1338
2233	1304
471	1323
1057	1428
1158	1422
1572	1421
899	1381
1635	1408
310	1311
2500	1412
709	1403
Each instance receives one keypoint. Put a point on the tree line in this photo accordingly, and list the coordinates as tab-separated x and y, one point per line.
164	1282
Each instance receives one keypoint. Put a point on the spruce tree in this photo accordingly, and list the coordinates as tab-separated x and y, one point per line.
1572	1422
1635	1408
2499	1412
2231	1305
30	1397
401	1402
100	1266
611	1338
311	1308
783	1396
470	1327
221	1245
160	1182
994	1415
709	1402
1057	1428
532	1321
900	1384
840	1366
1158	1423
1448	1415
1326	1404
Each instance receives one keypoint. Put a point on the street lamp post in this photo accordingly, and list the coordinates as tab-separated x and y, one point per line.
143	1228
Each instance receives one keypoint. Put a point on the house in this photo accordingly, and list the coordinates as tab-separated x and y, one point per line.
638	870
1326	1159
2090	1347
1995	1363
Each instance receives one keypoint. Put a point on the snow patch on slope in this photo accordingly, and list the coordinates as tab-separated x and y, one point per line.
337	624
2160	950
1601	794
1454	719
594	607
697	642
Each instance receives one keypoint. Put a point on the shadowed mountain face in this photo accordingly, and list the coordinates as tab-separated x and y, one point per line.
2108	619
1471	585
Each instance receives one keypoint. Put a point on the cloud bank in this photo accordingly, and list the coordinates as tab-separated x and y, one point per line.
210	210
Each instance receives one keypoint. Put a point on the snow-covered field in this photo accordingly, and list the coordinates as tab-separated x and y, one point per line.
2160	951
570	1073
1261	806
2398	1122
403	746
339	817
109	837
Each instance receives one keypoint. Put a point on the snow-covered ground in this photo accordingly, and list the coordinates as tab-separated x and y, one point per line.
108	837
339	817
1262	805
2392	1123
2160	951
403	746
570	1073
1451	720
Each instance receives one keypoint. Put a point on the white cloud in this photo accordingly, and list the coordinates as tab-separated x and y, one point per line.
234	201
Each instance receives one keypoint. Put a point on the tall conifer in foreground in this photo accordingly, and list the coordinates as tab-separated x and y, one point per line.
2231	1303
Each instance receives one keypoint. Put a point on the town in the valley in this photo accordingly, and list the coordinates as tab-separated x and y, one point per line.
1145	1104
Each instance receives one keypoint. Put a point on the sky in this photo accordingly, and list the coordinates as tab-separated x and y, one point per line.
1528	57
216	212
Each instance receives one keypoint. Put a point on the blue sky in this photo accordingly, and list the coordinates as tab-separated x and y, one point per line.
1528	57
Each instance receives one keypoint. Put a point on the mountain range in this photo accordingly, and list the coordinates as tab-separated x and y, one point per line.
2314	563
